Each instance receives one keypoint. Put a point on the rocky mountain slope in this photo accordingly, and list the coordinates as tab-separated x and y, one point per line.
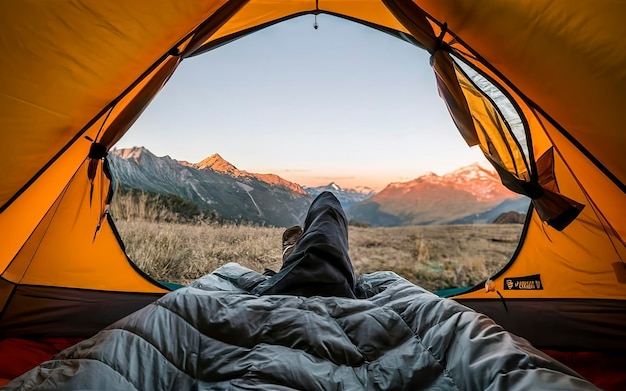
461	196
215	185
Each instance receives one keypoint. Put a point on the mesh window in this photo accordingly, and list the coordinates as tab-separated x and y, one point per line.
502	104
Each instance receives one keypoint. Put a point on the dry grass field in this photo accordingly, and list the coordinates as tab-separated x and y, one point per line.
434	257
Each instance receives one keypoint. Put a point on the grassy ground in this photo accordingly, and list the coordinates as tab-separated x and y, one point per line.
434	257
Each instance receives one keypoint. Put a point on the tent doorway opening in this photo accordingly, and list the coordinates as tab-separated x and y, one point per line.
343	107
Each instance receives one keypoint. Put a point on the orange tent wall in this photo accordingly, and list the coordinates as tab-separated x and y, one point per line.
61	79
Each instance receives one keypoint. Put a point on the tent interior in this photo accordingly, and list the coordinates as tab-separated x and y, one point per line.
538	86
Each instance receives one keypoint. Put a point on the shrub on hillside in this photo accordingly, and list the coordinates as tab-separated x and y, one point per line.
133	204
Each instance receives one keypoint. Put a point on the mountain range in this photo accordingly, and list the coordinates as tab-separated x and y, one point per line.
214	184
468	195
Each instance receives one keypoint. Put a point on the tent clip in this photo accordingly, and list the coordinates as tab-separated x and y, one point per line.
490	286
97	151
440	44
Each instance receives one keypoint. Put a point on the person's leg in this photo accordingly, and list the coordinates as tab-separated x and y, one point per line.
319	264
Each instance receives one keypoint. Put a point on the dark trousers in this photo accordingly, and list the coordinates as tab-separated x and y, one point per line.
319	264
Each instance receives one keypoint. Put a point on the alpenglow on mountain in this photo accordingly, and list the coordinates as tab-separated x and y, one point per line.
214	185
468	195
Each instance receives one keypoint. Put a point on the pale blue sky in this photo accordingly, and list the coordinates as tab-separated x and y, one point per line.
343	103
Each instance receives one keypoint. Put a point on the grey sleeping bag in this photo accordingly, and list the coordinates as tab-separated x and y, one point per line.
214	335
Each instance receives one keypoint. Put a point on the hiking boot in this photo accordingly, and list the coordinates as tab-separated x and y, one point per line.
290	237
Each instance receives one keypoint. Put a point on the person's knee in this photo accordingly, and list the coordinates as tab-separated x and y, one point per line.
325	201
326	197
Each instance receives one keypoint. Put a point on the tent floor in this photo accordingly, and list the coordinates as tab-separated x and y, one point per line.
604	369
20	355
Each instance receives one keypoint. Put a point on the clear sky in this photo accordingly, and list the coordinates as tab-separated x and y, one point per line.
342	103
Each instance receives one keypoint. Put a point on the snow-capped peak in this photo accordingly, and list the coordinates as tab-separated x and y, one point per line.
473	171
334	186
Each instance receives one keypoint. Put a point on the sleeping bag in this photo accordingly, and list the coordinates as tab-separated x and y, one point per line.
217	335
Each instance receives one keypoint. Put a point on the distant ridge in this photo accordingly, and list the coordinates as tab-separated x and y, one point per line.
510	217
347	197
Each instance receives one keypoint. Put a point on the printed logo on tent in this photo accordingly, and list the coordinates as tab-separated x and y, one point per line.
526	283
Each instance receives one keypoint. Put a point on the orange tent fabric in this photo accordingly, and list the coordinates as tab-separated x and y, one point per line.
539	85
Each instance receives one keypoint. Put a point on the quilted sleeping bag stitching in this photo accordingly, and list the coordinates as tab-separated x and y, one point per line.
212	335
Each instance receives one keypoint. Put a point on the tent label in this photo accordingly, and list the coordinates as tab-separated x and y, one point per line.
525	283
